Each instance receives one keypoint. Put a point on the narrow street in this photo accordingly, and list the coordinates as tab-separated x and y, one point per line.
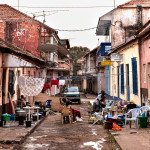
51	134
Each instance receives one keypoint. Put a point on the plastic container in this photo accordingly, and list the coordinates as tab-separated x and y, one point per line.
28	123
108	125
12	117
143	122
121	116
48	105
6	117
1	123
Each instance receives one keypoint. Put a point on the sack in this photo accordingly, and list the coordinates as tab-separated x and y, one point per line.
116	127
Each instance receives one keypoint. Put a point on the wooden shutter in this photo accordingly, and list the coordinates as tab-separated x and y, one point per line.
122	78
134	75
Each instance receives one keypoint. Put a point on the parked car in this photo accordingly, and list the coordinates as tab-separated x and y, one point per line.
73	94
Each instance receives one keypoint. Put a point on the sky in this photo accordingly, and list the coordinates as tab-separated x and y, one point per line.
69	15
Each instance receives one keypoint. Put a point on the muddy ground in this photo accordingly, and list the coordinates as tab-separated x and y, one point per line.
53	135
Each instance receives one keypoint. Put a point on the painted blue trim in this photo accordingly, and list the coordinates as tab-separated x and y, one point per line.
134	75
128	81
122	78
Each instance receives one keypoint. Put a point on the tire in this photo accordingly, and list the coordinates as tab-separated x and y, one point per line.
79	101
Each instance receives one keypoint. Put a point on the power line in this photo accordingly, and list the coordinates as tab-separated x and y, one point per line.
77	30
63	7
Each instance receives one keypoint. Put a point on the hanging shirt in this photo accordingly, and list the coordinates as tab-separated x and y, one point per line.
61	82
46	86
55	82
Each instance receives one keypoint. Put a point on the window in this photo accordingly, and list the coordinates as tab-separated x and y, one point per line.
144	73
122	78
11	82
134	75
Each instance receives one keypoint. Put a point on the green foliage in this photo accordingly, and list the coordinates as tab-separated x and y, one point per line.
76	53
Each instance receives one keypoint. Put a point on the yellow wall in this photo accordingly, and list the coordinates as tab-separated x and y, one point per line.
129	51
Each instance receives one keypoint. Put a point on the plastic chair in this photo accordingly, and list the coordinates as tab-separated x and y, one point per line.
145	108
134	116
66	112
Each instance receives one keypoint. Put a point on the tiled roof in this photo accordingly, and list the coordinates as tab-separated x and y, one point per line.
135	2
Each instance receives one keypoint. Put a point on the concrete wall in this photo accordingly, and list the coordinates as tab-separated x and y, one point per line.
125	23
145	60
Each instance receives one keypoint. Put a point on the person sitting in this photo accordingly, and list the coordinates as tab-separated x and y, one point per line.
99	102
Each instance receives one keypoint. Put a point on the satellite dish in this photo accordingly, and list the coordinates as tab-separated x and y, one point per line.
48	48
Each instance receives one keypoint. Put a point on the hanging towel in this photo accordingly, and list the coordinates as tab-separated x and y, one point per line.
61	82
55	82
33	86
22	81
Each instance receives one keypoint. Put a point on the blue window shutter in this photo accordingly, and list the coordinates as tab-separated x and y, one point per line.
122	78
134	75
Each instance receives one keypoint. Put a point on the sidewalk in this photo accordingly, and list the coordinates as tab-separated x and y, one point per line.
12	133
132	139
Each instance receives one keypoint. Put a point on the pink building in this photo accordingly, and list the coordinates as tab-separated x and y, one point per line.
144	44
19	32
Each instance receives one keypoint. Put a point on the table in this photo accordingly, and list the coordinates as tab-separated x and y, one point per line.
29	110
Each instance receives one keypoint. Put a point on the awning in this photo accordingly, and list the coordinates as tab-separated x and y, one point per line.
12	61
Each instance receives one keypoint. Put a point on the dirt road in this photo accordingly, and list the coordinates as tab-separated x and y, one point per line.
53	135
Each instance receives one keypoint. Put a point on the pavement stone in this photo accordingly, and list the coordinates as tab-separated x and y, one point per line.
132	138
16	134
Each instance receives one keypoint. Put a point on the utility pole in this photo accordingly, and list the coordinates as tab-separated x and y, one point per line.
114	3
18	4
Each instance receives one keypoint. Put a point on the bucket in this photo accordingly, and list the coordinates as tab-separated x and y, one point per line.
6	117
121	116
108	125
1	123
143	122
28	123
12	117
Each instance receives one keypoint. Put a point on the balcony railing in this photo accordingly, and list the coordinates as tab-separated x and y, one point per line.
63	64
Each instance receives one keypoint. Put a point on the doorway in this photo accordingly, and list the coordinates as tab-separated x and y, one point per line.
3	91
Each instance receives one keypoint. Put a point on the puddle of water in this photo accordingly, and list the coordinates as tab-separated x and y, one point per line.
94	132
41	136
97	145
32	139
34	146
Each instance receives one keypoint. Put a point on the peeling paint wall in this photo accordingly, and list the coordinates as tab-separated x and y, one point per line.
125	22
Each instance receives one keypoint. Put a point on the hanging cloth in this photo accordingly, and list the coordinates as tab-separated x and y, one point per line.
33	86
55	82
22	81
46	86
62	82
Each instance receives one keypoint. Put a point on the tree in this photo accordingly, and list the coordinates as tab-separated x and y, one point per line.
76	53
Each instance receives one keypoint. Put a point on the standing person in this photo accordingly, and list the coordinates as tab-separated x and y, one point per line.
102	100
23	101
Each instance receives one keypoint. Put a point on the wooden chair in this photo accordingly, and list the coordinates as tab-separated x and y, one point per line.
66	112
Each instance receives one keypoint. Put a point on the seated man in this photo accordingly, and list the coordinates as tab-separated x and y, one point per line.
99	102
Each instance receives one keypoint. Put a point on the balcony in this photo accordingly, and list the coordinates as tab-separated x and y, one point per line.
63	65
90	70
